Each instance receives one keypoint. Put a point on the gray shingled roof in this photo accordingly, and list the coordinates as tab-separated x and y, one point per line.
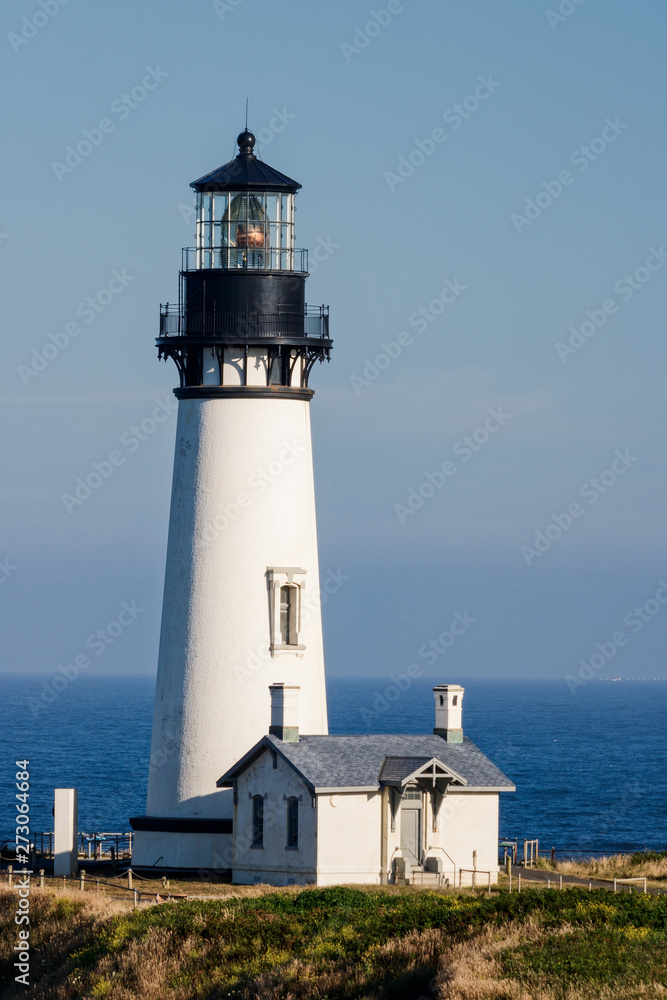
356	761
399	768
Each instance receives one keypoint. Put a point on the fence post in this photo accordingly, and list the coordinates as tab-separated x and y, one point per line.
10	874
561	882
510	881
489	883
548	883
82	880
553	854
136	897
41	878
644	883
519	881
129	878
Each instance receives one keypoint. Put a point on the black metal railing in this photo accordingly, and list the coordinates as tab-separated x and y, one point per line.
174	322
249	259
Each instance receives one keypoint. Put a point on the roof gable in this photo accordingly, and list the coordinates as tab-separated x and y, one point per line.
400	771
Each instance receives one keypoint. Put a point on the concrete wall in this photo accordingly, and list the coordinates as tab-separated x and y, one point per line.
349	838
467	822
274	863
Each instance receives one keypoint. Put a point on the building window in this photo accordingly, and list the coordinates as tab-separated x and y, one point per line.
292	822
288	606
257	821
286	587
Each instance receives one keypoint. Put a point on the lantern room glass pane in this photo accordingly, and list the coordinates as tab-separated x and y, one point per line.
245	229
220	207
272	203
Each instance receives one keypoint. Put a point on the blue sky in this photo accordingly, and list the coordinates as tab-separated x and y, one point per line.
495	166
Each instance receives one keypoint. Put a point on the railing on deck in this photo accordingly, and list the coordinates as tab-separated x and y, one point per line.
234	325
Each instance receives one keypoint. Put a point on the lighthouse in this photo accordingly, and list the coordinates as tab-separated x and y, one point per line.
240	609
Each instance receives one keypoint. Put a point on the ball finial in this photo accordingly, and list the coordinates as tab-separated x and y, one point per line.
246	142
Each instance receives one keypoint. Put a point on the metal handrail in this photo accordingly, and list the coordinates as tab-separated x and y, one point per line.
436	847
292	259
175	321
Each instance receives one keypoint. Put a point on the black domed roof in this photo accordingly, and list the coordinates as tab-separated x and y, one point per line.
245	172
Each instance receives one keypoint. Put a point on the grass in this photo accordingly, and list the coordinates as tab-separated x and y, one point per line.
344	944
652	864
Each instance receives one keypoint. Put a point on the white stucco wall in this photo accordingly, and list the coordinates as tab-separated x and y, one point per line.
242	501
274	863
349	838
467	822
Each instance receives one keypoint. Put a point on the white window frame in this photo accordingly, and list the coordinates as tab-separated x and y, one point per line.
279	577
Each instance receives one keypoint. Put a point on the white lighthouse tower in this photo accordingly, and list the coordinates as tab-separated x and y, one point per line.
240	608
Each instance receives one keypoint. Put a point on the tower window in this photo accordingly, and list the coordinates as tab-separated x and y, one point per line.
288	607
257	821
293	822
455	700
286	586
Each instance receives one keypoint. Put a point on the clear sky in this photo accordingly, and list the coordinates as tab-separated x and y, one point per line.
485	183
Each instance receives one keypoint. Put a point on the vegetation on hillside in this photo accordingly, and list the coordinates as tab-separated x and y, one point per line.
345	944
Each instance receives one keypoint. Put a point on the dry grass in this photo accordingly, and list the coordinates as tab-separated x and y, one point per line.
614	866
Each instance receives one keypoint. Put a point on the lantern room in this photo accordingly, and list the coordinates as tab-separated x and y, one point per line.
245	217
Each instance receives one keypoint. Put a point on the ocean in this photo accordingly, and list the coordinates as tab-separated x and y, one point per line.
589	768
